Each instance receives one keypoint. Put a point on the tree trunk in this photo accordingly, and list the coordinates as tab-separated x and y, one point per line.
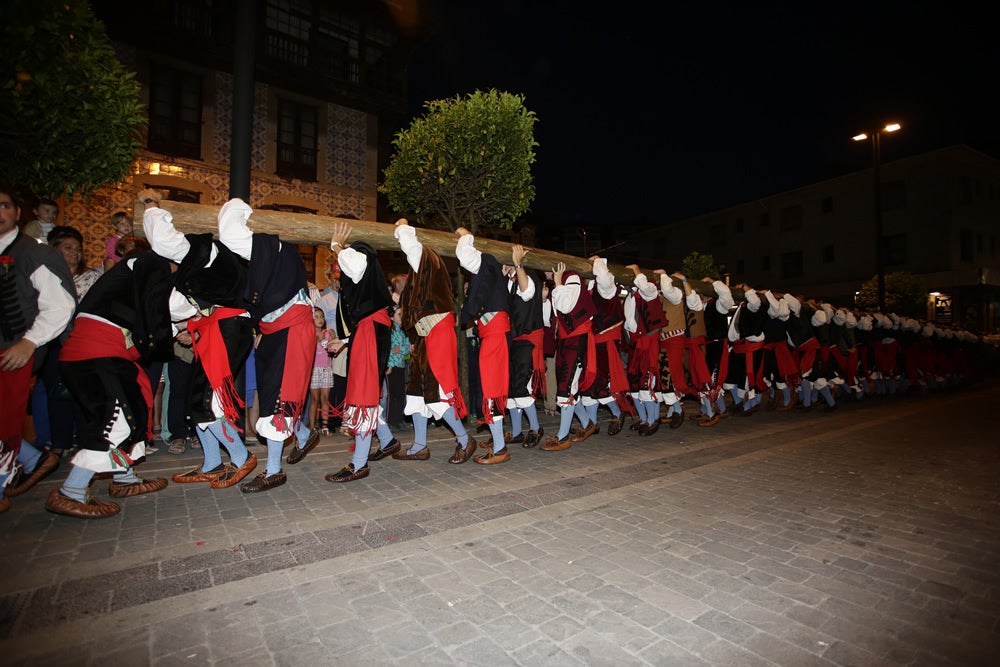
307	229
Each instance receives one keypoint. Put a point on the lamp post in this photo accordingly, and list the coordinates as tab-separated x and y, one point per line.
879	250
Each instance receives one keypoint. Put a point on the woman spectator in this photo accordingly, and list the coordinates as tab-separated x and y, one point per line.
69	242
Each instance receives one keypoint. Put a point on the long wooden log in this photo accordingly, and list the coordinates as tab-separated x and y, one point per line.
309	229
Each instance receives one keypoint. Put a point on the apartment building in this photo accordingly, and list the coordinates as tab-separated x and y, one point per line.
940	221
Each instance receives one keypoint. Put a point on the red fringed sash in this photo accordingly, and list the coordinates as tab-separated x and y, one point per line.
537	340
494	363
590	354
300	351
364	377
442	356
210	349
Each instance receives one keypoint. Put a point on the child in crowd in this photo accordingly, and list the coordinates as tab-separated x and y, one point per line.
395	373
322	376
121	227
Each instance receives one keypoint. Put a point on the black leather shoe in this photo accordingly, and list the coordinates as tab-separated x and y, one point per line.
676	420
650	429
297	454
263	483
386	452
615	427
348	474
533	437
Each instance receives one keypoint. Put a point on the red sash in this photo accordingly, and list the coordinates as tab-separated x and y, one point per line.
590	358
494	363
300	352
617	377
94	339
210	349
537	340
442	357
364	377
755	376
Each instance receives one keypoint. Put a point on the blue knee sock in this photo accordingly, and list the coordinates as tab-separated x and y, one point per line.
29	455
565	421
616	412
383	433
592	412
209	447
274	448
786	394
827	396
127	476
77	483
580	410
231	439
419	433
652	411
362	445
496	430
720	404
516	425
532	413
640	410
302	434
458	427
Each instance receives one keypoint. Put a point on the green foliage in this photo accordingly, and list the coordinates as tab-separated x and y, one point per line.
70	114
905	294
467	161
697	266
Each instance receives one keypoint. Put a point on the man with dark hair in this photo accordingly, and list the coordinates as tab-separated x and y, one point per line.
37	299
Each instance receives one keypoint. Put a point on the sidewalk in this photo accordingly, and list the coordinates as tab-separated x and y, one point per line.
868	535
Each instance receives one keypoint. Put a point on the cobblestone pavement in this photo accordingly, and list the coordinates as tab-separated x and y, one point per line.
862	536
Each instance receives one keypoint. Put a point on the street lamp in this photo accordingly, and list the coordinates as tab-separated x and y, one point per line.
879	250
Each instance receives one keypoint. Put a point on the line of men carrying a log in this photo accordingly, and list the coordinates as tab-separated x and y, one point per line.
664	341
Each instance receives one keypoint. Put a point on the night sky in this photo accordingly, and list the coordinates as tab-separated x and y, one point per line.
655	112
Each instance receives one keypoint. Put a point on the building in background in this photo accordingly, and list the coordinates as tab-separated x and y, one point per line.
940	219
329	94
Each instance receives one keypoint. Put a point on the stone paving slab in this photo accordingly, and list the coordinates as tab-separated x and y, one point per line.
864	536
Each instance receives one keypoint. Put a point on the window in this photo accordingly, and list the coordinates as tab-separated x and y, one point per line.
174	112
298	127
765	263
828	255
895	249
717	235
790	218
337	37
826	206
287	24
965	245
791	264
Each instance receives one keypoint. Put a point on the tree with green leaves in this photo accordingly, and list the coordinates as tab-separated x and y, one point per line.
697	266
70	115
905	294
466	162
